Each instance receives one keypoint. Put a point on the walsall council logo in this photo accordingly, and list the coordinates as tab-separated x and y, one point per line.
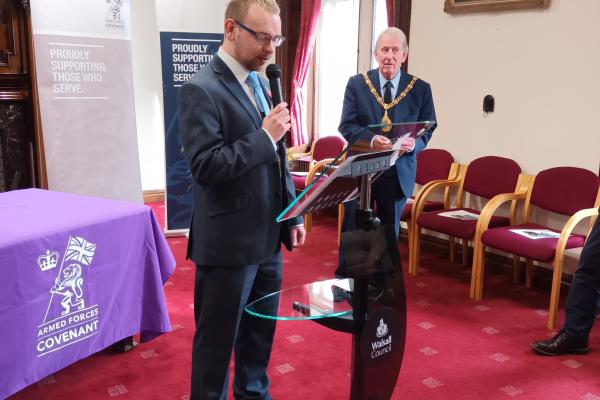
381	337
68	319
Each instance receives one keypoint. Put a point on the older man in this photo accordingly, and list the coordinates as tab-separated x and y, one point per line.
232	142
384	95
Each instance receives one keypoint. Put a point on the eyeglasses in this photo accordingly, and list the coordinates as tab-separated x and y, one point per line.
263	38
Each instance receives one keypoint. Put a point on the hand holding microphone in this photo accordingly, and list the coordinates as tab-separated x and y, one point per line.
277	123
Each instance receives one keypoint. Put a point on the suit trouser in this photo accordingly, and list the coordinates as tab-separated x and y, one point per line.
222	326
584	295
387	194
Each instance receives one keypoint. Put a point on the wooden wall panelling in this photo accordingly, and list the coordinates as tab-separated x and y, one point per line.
19	146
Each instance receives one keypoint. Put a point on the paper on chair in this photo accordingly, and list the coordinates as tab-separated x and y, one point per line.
460	214
536	233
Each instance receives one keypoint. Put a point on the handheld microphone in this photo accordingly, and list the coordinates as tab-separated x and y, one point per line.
274	74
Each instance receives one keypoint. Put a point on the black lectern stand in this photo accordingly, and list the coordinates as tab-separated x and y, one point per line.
371	303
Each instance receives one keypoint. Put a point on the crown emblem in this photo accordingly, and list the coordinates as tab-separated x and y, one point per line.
382	329
48	261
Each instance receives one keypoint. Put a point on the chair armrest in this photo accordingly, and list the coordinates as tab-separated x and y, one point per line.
316	168
488	211
427	190
455	177
568	229
294	156
522	188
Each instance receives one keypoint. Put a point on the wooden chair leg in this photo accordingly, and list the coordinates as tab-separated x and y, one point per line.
529	269
340	221
557	266
465	252
452	244
409	233
416	250
307	222
516	269
478	266
474	269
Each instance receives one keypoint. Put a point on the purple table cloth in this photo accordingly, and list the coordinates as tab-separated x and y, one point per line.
77	274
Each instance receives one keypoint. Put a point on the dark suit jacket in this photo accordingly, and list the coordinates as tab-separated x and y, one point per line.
361	109
239	188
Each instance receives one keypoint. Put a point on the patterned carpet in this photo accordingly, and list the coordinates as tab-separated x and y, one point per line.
456	348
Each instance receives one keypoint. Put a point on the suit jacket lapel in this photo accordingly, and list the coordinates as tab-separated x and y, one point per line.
376	109
404	81
237	91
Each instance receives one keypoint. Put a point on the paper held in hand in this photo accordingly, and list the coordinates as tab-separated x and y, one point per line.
536	233
460	214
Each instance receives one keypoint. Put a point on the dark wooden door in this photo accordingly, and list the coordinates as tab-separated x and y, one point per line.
19	148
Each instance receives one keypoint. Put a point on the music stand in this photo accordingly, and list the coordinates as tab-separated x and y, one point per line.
378	318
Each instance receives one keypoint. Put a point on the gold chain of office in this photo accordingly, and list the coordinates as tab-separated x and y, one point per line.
385	120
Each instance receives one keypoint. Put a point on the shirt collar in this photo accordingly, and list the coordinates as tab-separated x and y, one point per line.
395	80
239	71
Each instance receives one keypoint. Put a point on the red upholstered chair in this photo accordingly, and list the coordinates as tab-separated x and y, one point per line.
432	165
568	191
322	148
323	152
484	177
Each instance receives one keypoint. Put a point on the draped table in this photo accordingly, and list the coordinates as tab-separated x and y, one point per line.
77	274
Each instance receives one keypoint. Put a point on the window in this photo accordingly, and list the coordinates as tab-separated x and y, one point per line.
379	25
337	47
344	47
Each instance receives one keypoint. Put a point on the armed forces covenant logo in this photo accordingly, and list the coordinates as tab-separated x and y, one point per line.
68	319
113	15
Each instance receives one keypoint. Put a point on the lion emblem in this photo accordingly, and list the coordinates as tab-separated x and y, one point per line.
68	285
114	11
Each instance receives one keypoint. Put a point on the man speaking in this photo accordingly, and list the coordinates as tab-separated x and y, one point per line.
232	141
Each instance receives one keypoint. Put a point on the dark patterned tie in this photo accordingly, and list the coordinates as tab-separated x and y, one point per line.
387	92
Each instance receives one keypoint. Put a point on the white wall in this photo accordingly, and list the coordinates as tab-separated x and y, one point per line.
147	85
540	65
149	17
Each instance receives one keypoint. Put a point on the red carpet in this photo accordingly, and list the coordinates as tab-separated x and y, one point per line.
456	348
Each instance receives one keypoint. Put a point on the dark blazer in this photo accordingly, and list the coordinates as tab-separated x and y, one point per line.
361	109
239	185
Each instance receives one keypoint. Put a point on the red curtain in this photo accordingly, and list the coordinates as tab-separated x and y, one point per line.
309	19
389	7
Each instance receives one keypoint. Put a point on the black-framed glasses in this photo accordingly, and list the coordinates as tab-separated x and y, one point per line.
263	38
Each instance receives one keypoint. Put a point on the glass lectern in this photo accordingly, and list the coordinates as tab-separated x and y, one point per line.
370	303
